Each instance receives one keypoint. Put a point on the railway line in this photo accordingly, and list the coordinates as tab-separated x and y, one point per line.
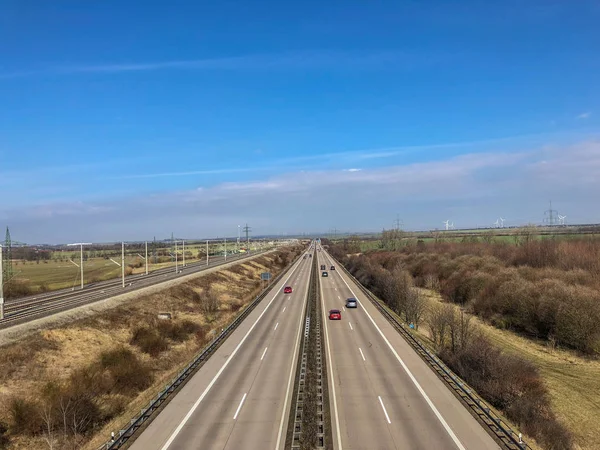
22	310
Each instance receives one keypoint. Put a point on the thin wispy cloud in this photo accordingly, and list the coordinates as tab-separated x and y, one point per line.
583	116
187	173
305	60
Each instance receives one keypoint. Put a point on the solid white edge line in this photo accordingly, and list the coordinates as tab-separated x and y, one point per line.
411	376
263	355
240	406
361	353
330	364
276	325
384	411
292	370
216	377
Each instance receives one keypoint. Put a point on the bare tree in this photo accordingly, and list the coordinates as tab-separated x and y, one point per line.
459	328
439	318
48	431
414	307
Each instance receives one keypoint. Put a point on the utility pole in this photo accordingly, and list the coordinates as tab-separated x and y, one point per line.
183	240
146	257
207	252
550	215
238	241
123	264
225	249
247	231
398	223
175	256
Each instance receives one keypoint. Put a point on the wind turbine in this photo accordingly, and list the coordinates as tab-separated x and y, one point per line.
452	225
502	222
561	219
497	223
447	223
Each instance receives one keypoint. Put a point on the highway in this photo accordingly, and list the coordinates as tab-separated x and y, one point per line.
382	394
241	397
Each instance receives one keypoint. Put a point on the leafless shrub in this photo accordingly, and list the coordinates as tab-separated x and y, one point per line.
149	340
25	418
4	440
128	374
210	302
432	282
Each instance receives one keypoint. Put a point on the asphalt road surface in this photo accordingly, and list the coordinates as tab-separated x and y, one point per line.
241	397
382	394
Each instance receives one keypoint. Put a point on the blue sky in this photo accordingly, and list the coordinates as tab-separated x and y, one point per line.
129	119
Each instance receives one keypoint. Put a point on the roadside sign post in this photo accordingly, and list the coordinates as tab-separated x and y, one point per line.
266	276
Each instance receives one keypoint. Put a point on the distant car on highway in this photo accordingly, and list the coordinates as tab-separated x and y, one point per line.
351	303
325	274
332	268
323	267
335	314
287	290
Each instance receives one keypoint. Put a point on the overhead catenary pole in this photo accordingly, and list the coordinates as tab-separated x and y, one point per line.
146	257
81	265
207	252
183	252
175	256
225	248
123	264
238	240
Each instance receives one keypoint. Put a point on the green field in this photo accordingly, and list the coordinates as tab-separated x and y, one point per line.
59	273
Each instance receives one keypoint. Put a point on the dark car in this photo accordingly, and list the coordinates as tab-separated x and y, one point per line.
335	314
351	303
332	268
322	266
287	290
325	274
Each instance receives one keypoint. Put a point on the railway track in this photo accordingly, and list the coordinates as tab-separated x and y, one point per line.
24	310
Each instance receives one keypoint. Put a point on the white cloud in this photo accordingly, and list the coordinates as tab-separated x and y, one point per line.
583	116
469	189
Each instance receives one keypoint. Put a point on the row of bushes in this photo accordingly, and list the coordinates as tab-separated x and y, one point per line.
562	306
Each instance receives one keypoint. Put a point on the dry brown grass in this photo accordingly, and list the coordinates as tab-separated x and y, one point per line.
56	353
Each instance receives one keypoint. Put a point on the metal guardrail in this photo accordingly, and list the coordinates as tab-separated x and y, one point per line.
501	430
124	435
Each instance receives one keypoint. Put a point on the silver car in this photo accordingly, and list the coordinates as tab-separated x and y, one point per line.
351	303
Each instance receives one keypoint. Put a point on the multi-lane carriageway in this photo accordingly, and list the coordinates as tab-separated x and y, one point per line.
381	394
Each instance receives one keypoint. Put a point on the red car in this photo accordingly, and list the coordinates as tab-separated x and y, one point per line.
287	290
335	314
